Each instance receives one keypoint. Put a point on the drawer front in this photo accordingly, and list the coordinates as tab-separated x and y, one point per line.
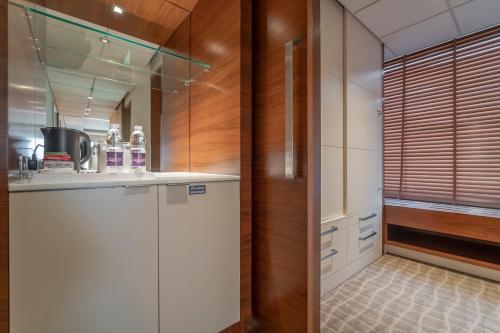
330	231
334	252
364	234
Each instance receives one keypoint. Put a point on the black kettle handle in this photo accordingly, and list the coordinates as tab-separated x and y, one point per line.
85	147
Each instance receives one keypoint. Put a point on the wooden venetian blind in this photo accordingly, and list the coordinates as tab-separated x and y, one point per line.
442	123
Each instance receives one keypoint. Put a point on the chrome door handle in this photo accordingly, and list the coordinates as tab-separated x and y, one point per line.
289	137
329	231
372	215
373	233
331	254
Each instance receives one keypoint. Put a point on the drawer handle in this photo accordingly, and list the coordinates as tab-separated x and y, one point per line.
373	233
329	231
372	215
331	254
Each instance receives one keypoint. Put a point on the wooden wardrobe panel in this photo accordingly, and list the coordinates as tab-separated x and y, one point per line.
285	290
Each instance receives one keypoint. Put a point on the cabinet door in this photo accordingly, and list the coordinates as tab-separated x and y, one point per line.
364	120
84	261
199	258
285	201
364	57
332	185
365	234
364	180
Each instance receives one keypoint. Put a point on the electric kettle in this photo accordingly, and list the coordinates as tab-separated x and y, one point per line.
68	140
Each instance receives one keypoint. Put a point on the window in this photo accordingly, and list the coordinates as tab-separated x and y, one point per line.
442	123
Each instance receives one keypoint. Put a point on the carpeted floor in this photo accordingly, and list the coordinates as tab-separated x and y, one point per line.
399	295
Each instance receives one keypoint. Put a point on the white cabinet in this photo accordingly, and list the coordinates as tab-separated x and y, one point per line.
84	261
364	119
351	151
333	246
332	38
364	234
332	122
364	57
364	180
332	173
199	237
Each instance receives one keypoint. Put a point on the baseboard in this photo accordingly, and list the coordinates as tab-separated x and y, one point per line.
331	282
235	328
463	267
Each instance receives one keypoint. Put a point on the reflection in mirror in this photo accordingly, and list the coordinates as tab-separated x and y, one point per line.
67	72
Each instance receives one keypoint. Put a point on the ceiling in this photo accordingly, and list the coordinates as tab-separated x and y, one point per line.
151	20
405	26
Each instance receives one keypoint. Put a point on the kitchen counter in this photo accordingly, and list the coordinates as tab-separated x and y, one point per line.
43	182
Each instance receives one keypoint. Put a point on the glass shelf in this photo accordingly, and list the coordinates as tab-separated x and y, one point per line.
68	46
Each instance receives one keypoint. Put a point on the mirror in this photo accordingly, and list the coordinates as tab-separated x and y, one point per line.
67	72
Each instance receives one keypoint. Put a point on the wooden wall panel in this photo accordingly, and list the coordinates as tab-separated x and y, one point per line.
313	166
151	20
175	115
156	111
221	111
286	211
215	96
4	196
246	165
461	225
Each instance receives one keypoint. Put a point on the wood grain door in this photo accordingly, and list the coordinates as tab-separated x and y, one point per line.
286	207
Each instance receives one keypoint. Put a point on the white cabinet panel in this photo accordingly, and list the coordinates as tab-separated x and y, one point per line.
84	261
331	110
364	180
332	173
332	38
333	247
364	57
365	234
199	258
364	123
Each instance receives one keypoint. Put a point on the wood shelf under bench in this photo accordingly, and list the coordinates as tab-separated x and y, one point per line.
466	238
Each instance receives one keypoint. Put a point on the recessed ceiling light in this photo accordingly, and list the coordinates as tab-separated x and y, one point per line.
118	10
104	40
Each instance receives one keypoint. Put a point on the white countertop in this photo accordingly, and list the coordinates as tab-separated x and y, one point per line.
42	182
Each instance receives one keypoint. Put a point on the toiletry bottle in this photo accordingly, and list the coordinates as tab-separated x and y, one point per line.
114	152
138	149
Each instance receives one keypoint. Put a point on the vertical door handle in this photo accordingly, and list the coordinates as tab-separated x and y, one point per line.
289	144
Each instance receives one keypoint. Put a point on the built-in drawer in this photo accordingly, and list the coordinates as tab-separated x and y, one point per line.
333	247
331	231
364	234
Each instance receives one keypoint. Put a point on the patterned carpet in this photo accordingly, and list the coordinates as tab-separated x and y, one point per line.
399	295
